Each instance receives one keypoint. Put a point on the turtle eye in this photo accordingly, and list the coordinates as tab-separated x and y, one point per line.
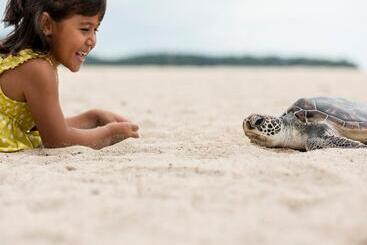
301	116
259	121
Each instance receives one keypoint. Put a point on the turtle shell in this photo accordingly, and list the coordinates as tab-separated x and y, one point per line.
342	113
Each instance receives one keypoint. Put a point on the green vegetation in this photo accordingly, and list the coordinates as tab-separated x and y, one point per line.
198	60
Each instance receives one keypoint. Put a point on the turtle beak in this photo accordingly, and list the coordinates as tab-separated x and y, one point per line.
246	125
253	121
249	126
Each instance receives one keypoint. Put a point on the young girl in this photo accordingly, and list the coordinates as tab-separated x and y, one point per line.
48	33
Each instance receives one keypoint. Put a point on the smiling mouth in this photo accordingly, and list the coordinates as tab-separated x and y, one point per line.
82	55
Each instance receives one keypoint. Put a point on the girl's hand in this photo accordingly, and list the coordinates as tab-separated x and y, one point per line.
122	130
103	117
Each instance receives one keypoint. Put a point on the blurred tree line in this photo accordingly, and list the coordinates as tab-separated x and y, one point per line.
198	60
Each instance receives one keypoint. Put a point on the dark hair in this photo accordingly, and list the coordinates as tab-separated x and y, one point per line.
24	16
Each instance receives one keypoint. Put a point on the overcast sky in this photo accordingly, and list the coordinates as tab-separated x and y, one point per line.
312	28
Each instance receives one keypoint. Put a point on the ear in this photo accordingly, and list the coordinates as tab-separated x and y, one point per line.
46	24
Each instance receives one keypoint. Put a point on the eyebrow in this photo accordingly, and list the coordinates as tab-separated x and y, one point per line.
89	23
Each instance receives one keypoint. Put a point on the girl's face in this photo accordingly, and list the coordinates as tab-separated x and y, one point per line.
72	39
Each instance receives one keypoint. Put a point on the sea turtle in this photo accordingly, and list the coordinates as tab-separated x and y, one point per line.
312	123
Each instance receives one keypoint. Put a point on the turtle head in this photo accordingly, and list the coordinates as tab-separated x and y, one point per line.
264	130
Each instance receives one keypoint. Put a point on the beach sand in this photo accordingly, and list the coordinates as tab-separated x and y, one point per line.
192	177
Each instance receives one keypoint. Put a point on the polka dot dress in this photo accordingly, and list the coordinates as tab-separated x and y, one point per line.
16	122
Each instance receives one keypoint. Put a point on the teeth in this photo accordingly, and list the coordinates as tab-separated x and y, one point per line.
82	54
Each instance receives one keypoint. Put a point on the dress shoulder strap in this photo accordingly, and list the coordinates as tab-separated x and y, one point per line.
11	61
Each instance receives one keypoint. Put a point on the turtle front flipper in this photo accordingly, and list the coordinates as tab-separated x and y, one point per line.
332	142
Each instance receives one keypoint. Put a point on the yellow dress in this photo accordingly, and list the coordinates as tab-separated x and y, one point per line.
16	122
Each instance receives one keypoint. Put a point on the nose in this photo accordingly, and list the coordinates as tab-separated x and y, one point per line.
91	41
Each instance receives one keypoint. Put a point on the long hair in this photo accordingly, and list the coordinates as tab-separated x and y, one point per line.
24	17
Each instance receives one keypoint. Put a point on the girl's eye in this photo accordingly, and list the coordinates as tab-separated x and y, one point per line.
87	30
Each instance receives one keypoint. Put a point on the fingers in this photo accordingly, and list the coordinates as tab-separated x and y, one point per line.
127	129
134	127
135	135
134	130
119	118
106	117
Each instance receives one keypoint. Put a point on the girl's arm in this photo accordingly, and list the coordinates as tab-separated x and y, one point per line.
41	93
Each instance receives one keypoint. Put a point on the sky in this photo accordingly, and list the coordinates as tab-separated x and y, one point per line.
311	28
